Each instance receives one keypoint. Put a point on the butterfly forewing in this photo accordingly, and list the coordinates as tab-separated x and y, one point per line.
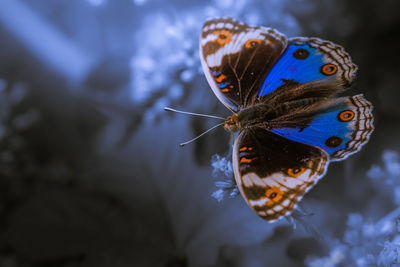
310	60
237	57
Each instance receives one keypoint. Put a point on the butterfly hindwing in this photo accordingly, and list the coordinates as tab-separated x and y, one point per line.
341	128
273	173
307	60
237	57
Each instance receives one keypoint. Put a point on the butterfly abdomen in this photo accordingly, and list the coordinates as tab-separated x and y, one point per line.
296	113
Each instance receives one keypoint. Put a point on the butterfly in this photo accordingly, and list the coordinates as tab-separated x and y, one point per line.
290	123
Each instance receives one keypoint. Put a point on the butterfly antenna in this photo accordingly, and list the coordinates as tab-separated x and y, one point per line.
197	137
194	114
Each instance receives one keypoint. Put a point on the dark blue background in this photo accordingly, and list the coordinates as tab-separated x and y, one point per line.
90	169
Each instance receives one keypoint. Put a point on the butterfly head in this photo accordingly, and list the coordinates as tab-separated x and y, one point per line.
232	123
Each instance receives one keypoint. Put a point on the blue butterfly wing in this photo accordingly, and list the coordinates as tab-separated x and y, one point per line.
341	129
310	59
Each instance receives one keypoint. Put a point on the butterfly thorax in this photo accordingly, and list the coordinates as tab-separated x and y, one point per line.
257	115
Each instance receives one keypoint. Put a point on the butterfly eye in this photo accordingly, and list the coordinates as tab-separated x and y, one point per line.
346	115
328	69
301	53
295	171
224	37
252	43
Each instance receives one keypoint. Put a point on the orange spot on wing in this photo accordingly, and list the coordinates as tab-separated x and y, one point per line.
246	148
252	43
295	172
274	194
277	198
225	90
224	37
346	115
220	78
245	160
269	203
329	69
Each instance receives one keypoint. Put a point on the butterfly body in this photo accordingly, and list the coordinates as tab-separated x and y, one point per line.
282	93
270	115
